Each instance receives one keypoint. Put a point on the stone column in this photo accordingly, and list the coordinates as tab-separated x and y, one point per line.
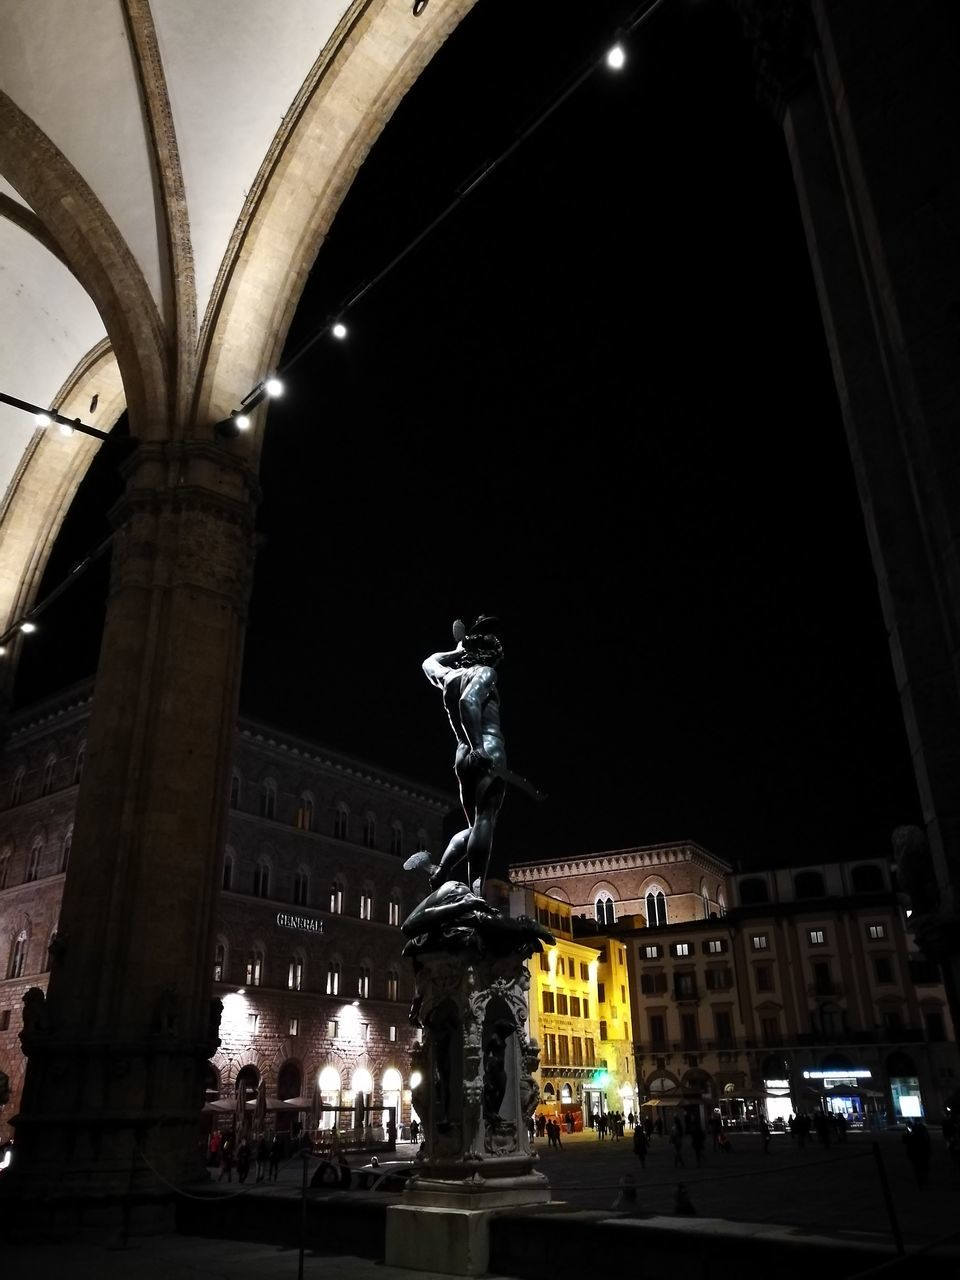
864	90
116	1053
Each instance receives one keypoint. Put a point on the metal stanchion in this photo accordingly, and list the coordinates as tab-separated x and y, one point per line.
888	1199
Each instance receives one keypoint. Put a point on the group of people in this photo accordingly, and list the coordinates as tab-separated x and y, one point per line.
610	1124
228	1151
823	1125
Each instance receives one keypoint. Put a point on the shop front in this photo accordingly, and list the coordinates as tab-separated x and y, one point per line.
905	1091
845	1091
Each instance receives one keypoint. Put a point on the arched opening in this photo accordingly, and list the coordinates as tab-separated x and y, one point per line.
331	1087
289	1081
392	1094
246	1084
656	904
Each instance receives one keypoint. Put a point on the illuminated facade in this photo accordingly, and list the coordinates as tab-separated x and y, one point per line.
307	950
579	1014
807	992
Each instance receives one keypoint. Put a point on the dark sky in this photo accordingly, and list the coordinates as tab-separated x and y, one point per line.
597	402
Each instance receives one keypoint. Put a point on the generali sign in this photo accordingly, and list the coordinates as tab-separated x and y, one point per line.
306	924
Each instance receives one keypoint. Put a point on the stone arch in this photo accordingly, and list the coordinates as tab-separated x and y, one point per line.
290	1078
559	894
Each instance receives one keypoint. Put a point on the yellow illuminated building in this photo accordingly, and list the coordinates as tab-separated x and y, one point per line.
577	1015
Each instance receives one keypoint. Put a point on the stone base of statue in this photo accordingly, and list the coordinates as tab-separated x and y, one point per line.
475	1094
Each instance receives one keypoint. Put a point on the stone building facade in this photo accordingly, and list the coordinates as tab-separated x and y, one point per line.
807	991
307	952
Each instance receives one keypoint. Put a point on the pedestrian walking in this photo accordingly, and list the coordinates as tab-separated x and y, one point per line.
640	1146
243	1160
676	1141
226	1159
698	1140
414	1131
648	1128
276	1154
767	1134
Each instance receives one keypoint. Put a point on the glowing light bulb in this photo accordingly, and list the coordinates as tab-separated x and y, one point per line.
339	330
616	57
43	420
273	387
415	1079
28	627
241	421
66	429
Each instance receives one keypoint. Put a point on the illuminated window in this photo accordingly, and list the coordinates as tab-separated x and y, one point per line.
393	911
876	931
333	1029
295	973
336	898
294	1029
391	1033
366	906
681	948
817	937
759	942
341	822
46	782
253	1023
393	985
333	978
714	946
363	981
219	962
254	969
33	866
396	839
261	880
652	952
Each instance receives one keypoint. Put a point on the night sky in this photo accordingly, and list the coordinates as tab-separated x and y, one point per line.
598	403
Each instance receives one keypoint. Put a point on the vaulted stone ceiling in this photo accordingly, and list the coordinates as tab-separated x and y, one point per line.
168	171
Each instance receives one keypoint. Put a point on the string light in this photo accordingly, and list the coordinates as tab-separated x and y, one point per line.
339	330
616	57
47	417
26	625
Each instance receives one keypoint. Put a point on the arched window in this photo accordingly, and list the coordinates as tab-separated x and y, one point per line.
366	902
305	812
289	1081
235	790
16	786
46	781
393	910
18	955
333	978
705	899
867	879
341	822
33	862
393	985
656	908
336	897
753	890
5	858
396	838
254	970
330	1086
226	881
809	884
370	831
78	762
268	799
295	973
721	902
247	1083
220	962
363	981
391	1092
301	886
606	911
261	879
65	848
422	841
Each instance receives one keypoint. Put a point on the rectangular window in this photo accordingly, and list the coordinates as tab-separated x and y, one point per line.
817	937
549	1005
4	1019
577	1046
719	979
652	952
658	1030
562	1004
822	981
589	1052
366	907
883	968
586	1007
333	1029
253	1023
391	1033
681	948
584	973
544	961
771	1031
574	1006
759	942
688	1031
603	1029
393	912
763	974
550	1047
714	946
602	957
560	965
876	931
620	957
723	1023
685	986
601	992
294	1027
364	1030
295	974
563	1050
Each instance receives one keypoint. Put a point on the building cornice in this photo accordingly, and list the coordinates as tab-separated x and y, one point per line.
641	858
